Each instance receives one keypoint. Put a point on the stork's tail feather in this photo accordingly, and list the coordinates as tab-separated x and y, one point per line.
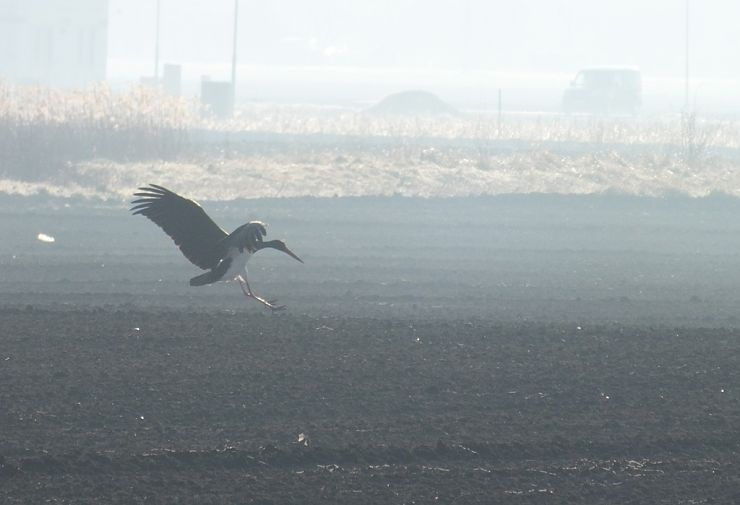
213	275
206	278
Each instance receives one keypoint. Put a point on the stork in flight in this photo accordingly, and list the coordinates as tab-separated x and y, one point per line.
205	243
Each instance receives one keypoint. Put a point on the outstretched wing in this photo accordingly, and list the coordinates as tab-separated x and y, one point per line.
197	236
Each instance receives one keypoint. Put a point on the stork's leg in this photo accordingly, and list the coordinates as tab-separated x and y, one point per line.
247	290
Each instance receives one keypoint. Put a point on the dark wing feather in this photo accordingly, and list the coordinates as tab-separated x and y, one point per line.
197	236
247	236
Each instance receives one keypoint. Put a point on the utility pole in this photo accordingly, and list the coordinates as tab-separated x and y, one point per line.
156	48
499	111
686	77
233	53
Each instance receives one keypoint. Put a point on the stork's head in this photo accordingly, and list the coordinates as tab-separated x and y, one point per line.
280	246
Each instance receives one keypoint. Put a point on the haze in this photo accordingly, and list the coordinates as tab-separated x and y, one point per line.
519	222
339	51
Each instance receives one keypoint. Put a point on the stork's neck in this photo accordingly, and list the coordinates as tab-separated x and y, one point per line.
270	244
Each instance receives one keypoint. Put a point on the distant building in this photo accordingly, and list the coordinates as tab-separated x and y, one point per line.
53	43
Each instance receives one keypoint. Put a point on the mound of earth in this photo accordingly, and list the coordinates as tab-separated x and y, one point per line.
413	103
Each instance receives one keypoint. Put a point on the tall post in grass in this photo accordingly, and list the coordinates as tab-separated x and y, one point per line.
688	117
233	54
686	56
499	112
156	48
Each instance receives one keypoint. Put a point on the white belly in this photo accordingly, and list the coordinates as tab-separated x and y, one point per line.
238	264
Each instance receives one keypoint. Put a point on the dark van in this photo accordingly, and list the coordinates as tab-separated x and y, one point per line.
605	90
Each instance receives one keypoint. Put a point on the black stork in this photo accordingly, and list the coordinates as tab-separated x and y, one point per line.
205	243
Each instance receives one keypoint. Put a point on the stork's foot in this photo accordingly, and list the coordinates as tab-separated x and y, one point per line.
270	304
275	304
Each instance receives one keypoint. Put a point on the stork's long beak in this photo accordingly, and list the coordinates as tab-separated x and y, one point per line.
292	254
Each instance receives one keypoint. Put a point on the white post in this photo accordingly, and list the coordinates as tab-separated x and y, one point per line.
156	48
233	53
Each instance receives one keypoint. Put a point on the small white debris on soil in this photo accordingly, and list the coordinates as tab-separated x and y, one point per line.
43	237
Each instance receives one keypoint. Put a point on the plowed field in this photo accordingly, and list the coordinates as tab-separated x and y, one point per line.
532	350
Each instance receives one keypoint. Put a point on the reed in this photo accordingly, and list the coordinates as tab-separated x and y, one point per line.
46	133
43	130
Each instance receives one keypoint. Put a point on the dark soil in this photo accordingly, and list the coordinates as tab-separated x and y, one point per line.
520	349
132	406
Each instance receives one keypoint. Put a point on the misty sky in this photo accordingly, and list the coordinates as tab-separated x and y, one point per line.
526	35
518	45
